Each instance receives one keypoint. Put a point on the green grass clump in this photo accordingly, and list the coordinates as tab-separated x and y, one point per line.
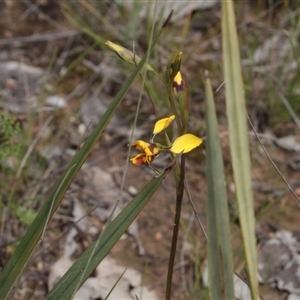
9	128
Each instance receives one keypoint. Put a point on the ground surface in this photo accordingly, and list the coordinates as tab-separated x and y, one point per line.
275	206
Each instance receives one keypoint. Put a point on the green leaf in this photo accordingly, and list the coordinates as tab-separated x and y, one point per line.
239	144
220	266
28	243
94	254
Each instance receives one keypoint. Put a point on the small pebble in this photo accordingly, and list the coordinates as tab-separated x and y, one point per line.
56	101
132	190
82	129
158	236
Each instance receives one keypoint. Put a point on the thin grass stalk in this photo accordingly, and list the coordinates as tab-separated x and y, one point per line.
113	287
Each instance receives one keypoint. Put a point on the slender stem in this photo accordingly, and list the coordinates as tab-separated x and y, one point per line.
179	197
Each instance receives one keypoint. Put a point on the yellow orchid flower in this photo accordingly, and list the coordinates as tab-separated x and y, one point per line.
149	151
126	54
185	143
178	84
162	124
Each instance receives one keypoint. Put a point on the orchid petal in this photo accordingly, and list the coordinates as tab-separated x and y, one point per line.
178	84
140	145
185	143
149	149
139	159
162	124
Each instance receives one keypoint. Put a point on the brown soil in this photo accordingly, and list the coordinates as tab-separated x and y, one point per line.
274	203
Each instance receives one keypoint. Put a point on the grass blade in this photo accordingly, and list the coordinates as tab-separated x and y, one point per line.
95	253
28	243
239	145
219	249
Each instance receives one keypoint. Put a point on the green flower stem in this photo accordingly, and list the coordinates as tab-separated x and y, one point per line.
179	197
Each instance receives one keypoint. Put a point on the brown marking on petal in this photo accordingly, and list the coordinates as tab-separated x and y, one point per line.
154	149
179	87
139	159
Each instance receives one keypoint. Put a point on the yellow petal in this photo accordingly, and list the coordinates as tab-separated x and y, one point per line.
162	124
139	160
126	54
178	84
140	145
185	143
148	149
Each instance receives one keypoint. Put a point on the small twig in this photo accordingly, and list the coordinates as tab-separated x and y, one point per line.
47	36
272	162
187	190
32	7
33	144
290	109
220	86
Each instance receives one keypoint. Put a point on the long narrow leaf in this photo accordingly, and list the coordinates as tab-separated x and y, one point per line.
94	254
239	145
28	243
219	249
